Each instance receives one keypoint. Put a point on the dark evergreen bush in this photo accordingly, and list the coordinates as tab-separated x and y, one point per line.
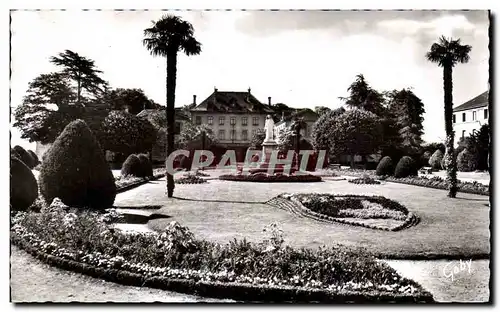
466	161
436	159
385	166
23	185
21	154
36	161
146	166
131	166
406	167
75	170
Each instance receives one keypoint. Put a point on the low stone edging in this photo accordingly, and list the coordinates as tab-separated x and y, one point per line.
138	183
235	291
460	190
411	218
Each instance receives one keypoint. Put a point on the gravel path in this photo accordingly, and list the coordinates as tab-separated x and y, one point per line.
35	281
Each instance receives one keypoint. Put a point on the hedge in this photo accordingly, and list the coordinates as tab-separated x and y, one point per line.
385	166
24	156
145	165
405	167
23	185
131	166
263	177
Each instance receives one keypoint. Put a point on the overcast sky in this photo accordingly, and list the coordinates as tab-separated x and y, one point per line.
302	59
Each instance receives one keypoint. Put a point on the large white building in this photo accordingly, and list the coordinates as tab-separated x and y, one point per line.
470	116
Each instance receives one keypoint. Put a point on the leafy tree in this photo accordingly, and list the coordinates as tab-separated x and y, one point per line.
321	110
196	137
319	140
127	134
481	141
436	159
133	100
362	96
166	37
82	71
47	108
466	161
258	139
355	132
447	53
408	111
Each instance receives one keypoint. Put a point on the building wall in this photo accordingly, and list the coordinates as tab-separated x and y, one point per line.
238	126
465	128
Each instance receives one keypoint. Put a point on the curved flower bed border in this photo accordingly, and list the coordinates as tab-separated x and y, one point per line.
411	218
236	291
364	180
270	179
190	179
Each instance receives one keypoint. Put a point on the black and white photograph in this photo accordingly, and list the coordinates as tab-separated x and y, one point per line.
250	156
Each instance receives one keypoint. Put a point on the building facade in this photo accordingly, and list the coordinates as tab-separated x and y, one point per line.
470	116
234	117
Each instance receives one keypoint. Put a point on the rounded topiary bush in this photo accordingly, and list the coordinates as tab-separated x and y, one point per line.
21	154
75	170
385	166
146	166
466	161
36	161
23	185
436	160
131	166
406	167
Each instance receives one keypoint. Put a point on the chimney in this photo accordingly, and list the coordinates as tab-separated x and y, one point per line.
194	99
215	95
249	90
269	100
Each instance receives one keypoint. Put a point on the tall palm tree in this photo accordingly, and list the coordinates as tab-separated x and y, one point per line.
166	37
447	53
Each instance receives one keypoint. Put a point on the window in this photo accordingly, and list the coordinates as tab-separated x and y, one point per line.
232	121
254	132
474	115
198	120
454	118
244	135
255	121
486	114
222	119
177	129
222	135
233	134
244	121
210	120
463	133
463	117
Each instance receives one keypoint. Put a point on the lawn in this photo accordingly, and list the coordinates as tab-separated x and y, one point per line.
223	210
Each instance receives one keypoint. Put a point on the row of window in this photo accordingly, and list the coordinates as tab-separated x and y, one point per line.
474	116
232	134
232	120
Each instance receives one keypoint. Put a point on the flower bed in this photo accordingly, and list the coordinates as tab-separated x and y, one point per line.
128	182
174	259
364	180
264	177
190	178
354	210
433	182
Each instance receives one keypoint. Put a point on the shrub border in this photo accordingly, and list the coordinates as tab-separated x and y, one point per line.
235	291
135	184
411	218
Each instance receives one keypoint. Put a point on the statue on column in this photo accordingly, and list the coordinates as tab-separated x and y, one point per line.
269	129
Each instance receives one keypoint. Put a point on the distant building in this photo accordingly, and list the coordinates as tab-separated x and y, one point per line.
233	116
470	116
307	115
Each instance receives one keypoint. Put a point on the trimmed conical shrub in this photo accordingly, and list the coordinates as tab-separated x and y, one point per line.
385	166
36	161
436	159
131	166
146	166
24	156
75	170
406	167
23	185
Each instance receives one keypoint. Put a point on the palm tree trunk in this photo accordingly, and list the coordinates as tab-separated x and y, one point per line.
297	146
78	90
171	77
451	163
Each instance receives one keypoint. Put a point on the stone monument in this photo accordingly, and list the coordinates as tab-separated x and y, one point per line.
269	145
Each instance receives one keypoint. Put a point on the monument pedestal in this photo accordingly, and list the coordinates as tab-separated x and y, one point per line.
267	149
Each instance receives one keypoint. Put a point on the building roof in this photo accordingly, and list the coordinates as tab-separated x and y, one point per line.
232	102
477	102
